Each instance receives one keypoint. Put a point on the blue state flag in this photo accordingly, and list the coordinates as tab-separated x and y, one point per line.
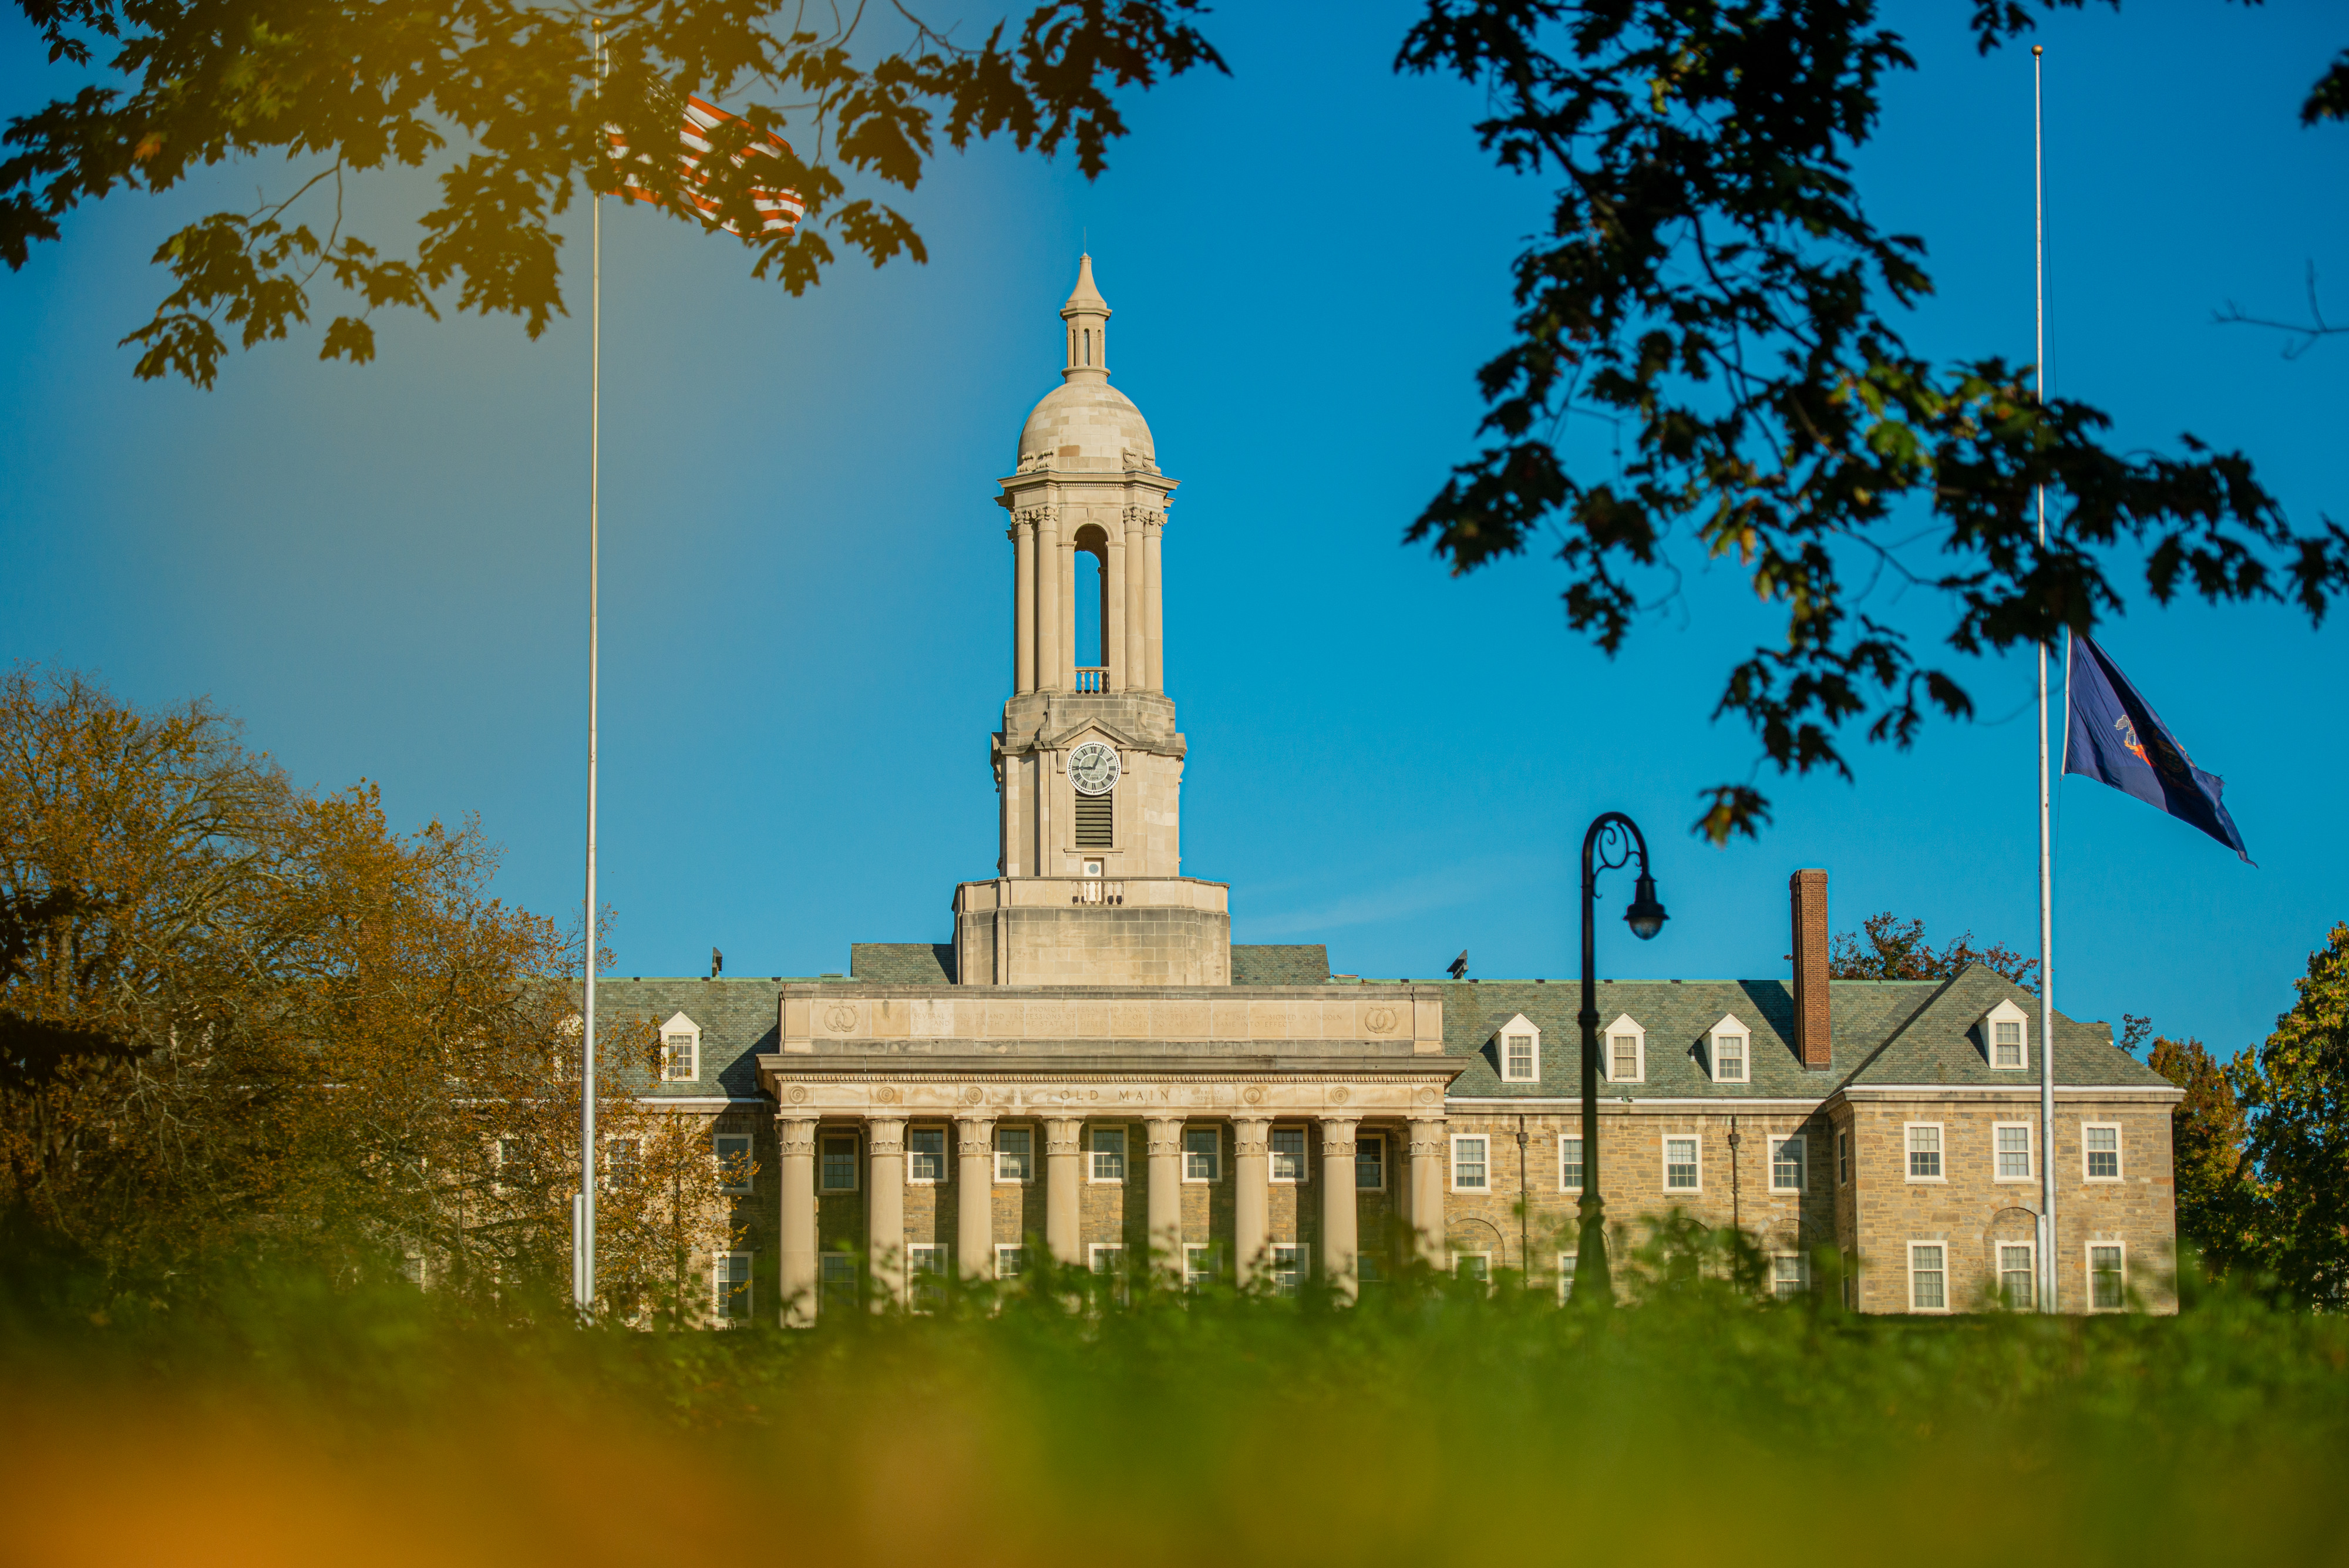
2113	735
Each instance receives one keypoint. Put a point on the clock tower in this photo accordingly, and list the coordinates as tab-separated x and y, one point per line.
1088	764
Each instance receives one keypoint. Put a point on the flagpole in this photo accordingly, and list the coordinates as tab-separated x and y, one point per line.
2047	1271
583	1241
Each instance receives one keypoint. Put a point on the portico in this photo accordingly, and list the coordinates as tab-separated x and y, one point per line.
1224	1099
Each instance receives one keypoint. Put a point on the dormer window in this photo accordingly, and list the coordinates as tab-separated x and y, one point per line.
1626	1045
1518	1050
1728	1051
680	1058
2006	1037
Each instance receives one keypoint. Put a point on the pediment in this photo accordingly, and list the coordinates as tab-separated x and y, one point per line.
1092	727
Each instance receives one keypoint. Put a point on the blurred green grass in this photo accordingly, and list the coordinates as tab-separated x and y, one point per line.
266	1418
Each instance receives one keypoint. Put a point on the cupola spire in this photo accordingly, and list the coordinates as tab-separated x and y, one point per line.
1086	316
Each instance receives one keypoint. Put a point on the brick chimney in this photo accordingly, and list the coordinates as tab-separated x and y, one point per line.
1812	1029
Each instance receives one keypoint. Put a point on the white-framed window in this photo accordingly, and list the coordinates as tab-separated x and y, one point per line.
1683	1163
926	1276
1790	1275
1843	1158
2006	1037
1626	1045
732	1151
1289	1154
1517	1046
1015	1154
1566	1266
1789	1162
622	1162
680	1059
1370	1162
513	1162
925	1155
2018	1274
729	1287
1107	1260
1570	1162
1198	1264
2010	1151
2108	1265
1923	1141
1729	1051
1473	1268
1287	1267
1107	1149
1010	1260
1928	1276
2100	1152
836	1162
1472	1165
1203	1153
837	1281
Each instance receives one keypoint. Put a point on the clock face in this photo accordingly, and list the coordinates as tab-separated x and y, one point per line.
1093	768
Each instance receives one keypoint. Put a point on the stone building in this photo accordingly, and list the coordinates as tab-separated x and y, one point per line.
1090	1065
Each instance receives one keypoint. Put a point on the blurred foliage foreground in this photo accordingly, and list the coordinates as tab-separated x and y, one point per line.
279	1419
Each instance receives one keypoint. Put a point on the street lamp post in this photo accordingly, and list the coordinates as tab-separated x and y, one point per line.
1611	842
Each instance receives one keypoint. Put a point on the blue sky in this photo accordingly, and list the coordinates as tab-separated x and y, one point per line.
381	571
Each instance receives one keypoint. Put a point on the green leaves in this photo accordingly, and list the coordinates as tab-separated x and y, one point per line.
1711	279
335	86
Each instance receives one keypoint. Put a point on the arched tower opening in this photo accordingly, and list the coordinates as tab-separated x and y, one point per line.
1089	607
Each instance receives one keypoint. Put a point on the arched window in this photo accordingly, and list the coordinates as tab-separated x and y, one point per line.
1089	348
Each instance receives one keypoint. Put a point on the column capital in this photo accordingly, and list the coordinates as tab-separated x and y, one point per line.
794	1135
1060	1134
885	1136
1338	1136
973	1134
1165	1136
1426	1137
1249	1137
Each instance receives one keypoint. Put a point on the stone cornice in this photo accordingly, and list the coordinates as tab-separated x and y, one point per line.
803	1087
2167	1094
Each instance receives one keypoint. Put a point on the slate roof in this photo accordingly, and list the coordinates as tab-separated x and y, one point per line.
1884	1032
738	1019
902	963
1934	1045
1280	964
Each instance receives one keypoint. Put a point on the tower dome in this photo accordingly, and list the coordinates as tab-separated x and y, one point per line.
1084	424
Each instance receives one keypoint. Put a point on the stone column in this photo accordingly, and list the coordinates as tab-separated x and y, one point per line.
795	1149
1023	633
1251	1196
1427	1157
1167	1199
1067	626
1135	651
1048	658
884	1209
975	1196
1339	1245
1060	1187
1114	612
1154	638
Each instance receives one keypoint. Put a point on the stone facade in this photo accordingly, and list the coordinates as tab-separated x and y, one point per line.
1089	1068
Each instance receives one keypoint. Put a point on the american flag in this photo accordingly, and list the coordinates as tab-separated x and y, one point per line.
779	211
